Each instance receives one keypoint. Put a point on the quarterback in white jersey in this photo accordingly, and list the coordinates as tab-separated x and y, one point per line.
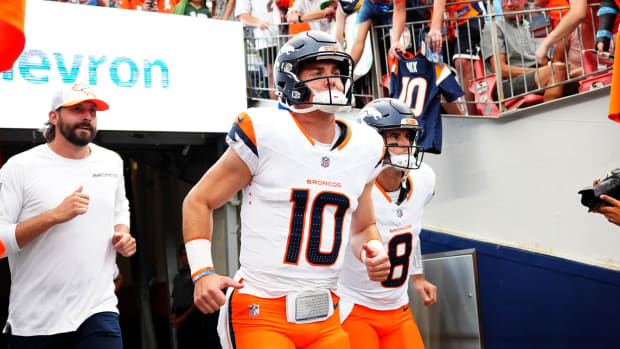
307	184
375	315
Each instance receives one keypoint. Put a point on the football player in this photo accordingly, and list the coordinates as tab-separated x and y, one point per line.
376	314
306	179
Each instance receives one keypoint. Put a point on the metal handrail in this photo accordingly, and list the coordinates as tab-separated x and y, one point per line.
260	84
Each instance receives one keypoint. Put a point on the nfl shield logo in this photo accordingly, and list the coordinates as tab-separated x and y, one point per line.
325	161
254	310
399	212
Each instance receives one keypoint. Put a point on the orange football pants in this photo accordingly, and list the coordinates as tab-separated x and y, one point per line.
268	327
385	329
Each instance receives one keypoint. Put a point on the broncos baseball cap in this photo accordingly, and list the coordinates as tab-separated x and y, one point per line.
77	93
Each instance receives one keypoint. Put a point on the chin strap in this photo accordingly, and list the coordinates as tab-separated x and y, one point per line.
404	187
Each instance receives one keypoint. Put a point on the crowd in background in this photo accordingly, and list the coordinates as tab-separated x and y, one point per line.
533	56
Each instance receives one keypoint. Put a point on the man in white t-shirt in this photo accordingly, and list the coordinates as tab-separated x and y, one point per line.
63	218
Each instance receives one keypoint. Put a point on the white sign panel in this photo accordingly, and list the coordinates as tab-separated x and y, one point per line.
158	72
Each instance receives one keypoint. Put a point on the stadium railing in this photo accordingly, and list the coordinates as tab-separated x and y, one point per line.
589	71
260	77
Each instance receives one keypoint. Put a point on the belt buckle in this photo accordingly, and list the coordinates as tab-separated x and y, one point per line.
309	306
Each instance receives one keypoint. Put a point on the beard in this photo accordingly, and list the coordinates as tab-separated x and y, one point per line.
79	134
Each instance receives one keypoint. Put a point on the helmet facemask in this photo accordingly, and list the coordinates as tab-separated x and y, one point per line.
405	161
331	100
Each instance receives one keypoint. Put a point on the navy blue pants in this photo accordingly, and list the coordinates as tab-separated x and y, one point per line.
100	331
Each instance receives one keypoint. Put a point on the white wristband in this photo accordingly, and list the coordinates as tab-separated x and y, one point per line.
373	244
199	256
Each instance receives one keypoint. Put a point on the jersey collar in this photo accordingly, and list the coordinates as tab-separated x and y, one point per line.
342	141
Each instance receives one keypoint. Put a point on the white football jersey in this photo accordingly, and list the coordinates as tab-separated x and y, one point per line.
400	227
296	212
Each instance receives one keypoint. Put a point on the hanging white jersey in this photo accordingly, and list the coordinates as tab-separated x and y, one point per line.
296	212
399	226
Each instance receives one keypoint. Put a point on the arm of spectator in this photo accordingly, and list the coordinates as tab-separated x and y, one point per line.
576	15
253	21
328	12
453	108
506	69
293	16
399	17
341	19
360	41
230	6
607	17
439	7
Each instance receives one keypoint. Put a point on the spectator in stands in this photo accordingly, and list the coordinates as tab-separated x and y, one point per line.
264	17
463	36
541	24
345	8
318	13
554	15
230	6
517	56
194	8
377	12
607	24
579	14
164	6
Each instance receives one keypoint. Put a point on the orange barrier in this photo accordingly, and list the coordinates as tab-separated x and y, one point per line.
12	40
614	97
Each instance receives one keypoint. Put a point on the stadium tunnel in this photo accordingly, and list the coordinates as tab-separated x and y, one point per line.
160	168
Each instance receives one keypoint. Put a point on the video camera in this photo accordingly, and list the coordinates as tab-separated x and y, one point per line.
610	186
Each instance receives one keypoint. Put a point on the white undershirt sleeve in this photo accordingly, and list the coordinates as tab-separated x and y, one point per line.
11	199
